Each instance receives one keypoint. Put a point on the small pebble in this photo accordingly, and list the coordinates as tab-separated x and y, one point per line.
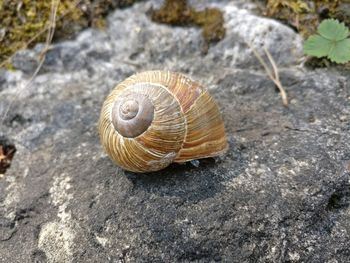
195	163
343	118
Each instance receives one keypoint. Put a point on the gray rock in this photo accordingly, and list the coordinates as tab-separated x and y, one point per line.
281	194
26	61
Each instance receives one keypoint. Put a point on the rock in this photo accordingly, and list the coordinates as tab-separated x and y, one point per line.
26	60
281	194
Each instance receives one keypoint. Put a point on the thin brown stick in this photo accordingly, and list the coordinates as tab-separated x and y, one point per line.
53	13
277	78
274	76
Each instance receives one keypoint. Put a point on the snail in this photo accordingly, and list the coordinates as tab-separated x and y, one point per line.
155	118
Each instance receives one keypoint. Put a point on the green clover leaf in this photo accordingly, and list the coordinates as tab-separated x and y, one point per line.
332	42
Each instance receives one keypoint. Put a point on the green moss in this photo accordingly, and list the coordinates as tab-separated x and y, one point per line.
305	15
23	22
178	12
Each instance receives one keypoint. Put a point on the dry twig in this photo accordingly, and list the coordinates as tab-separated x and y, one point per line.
274	76
50	33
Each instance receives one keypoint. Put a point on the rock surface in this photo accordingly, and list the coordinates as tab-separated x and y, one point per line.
281	194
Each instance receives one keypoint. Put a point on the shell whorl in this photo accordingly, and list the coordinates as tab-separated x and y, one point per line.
154	118
132	114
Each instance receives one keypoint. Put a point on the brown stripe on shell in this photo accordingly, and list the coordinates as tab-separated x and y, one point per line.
205	131
182	87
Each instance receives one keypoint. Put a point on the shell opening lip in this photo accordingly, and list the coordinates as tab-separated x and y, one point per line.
132	114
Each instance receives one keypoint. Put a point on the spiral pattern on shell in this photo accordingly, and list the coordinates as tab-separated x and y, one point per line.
154	118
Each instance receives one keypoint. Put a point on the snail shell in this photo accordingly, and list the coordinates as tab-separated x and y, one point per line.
154	118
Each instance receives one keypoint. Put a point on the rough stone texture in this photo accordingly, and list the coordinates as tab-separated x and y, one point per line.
281	194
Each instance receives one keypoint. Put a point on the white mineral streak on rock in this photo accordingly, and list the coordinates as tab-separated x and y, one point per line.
56	239
13	195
